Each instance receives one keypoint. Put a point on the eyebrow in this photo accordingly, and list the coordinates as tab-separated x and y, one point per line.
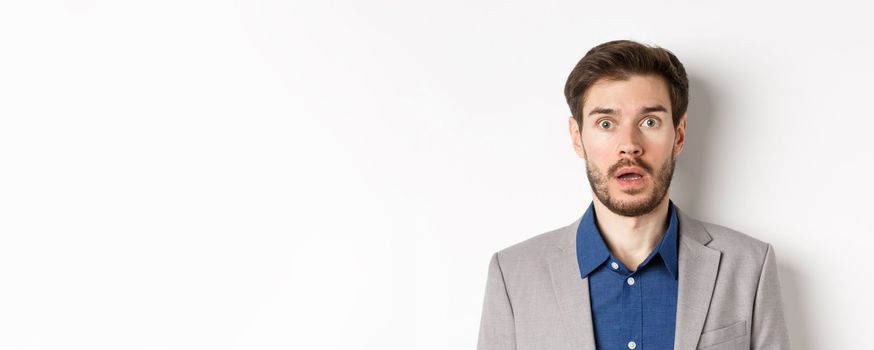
650	109
599	110
644	110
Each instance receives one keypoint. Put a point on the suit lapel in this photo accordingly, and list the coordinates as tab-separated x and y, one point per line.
572	291
698	266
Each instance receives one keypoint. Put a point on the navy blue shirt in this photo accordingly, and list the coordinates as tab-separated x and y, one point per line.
630	309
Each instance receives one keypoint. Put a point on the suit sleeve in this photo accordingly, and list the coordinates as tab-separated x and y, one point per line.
497	329
769	325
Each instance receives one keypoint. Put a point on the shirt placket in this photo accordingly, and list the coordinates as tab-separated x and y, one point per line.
632	310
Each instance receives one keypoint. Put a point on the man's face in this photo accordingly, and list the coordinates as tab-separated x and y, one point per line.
627	125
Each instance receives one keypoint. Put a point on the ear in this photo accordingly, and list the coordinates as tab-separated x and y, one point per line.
680	135
576	137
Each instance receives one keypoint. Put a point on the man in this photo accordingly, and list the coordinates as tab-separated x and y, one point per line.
634	272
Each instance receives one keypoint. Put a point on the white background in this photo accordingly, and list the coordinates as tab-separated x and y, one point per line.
336	174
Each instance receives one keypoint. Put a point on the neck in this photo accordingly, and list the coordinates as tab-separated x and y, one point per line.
631	239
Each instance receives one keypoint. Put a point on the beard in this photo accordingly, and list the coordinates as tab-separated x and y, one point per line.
660	184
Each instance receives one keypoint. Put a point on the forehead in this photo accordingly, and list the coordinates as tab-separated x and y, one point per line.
627	94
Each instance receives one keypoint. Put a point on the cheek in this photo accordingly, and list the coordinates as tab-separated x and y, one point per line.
595	150
658	142
596	142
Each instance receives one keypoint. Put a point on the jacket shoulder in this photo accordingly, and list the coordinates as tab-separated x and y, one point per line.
537	247
731	241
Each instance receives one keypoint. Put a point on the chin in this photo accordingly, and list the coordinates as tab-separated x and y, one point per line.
636	193
631	202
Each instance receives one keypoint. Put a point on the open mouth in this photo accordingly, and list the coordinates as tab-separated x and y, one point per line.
630	176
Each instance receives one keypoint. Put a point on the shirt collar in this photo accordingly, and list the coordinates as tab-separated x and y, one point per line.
592	251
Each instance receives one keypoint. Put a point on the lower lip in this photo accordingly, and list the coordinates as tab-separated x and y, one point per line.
631	183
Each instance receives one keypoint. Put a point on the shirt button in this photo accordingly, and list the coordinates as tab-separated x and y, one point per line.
630	281
614	265
632	345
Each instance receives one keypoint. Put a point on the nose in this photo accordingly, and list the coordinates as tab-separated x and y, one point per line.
629	143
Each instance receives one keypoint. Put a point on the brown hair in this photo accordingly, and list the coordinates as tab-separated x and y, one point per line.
619	59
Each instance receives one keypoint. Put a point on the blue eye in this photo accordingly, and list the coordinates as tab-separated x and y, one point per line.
605	122
654	122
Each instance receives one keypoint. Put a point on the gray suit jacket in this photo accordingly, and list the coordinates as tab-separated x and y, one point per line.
728	293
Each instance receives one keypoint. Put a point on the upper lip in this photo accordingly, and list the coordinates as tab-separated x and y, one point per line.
629	170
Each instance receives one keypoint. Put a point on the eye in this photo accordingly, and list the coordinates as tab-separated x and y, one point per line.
606	124
651	122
